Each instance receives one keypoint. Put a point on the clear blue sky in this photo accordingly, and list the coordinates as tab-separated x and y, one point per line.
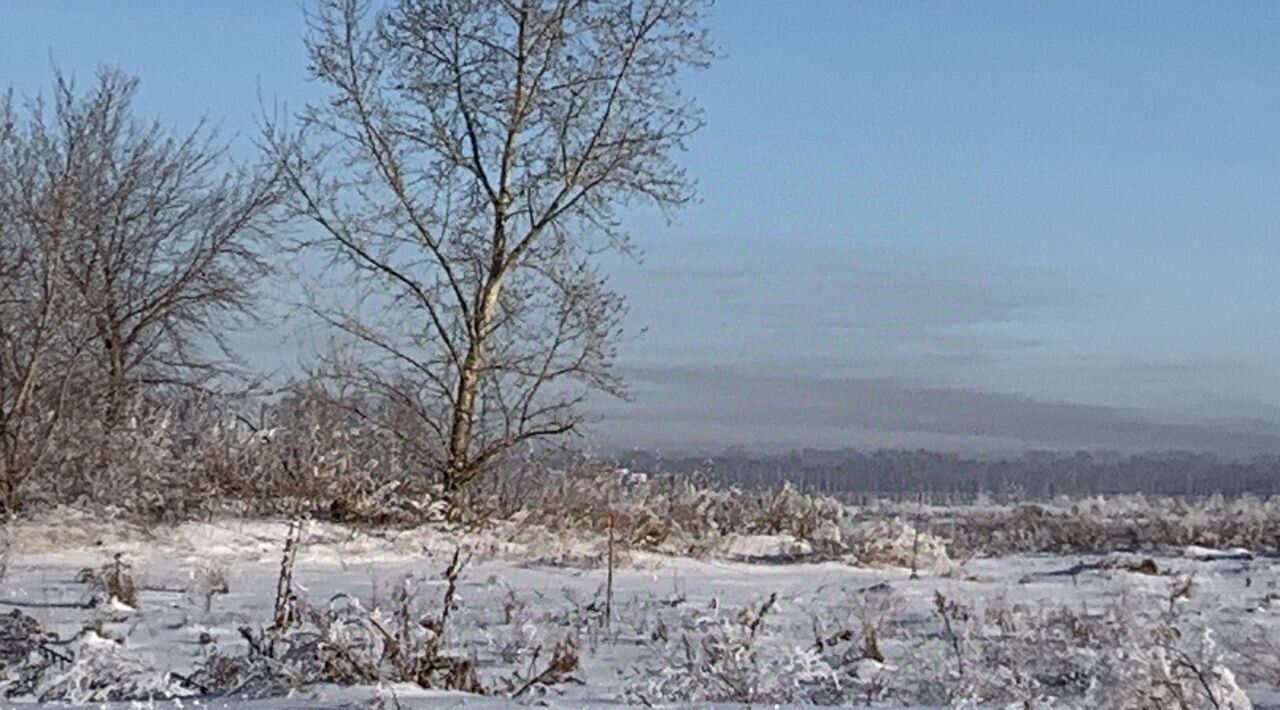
982	225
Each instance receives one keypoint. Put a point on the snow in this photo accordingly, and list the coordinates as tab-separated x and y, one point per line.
201	582
750	547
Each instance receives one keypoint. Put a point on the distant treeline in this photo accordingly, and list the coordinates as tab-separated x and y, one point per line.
901	473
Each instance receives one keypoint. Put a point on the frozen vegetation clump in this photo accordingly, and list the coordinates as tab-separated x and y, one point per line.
111	583
964	653
25	654
1103	524
104	671
1047	654
404	638
894	542
89	668
754	655
891	605
347	643
718	657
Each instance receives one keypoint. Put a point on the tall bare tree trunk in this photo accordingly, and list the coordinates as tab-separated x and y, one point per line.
8	481
460	428
458	469
116	384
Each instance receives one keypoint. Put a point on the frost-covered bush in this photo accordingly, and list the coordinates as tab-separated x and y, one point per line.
104	671
765	653
1045	654
347	643
895	543
1254	648
24	654
180	458
1170	671
717	656
872	647
36	664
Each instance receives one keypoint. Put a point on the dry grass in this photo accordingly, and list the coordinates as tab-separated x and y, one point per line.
319	462
345	642
1121	523
675	514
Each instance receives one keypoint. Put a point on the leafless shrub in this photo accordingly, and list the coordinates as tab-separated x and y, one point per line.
208	581
865	621
25	654
348	643
723	657
952	613
113	581
286	613
306	455
103	671
196	456
559	669
892	542
851	644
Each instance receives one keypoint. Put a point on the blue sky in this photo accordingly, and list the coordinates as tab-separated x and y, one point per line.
974	225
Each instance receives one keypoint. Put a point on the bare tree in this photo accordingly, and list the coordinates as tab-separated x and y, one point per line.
462	176
126	249
164	254
39	348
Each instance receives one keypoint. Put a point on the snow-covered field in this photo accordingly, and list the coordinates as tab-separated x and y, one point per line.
1188	628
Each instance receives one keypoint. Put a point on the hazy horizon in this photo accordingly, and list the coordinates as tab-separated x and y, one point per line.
973	226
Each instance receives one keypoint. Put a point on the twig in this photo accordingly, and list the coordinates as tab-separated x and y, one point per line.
564	660
608	591
941	603
451	574
50	605
286	601
915	539
1186	661
753	623
188	682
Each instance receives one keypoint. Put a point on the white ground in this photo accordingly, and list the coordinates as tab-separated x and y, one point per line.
545	603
